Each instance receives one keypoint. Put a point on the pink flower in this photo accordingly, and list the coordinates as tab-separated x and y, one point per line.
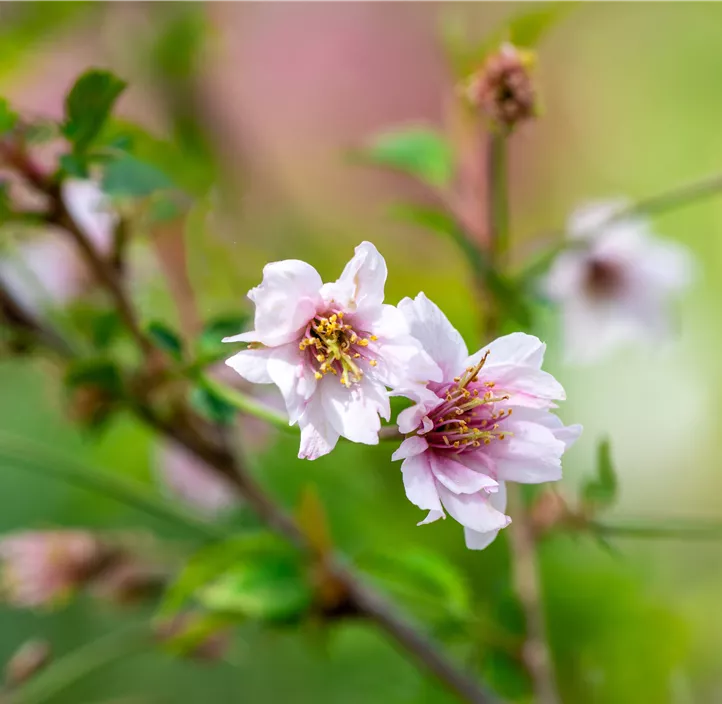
615	286
332	349
486	422
41	568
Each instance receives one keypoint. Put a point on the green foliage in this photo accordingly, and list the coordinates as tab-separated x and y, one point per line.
166	339
88	106
416	150
424	581
601	492
210	345
127	176
211	405
8	117
99	373
254	576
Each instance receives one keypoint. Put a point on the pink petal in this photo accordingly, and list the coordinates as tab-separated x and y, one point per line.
295	379
476	540
354	412
473	511
458	478
414	445
318	438
527	386
515	349
252	365
361	285
431	517
419	483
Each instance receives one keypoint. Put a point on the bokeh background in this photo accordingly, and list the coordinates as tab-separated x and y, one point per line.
271	99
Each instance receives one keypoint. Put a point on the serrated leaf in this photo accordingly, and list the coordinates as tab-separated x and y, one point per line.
210	343
8	117
424	579
88	105
129	177
211	406
166	339
416	150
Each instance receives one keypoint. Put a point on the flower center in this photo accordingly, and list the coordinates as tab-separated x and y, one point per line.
468	418
335	347
603	279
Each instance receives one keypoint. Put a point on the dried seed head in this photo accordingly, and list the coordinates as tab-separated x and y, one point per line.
503	88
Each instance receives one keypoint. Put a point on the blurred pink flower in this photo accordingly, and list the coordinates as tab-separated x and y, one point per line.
331	349
463	442
43	567
192	481
614	282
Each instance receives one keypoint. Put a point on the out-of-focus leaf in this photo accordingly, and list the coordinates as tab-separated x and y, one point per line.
419	151
99	373
103	324
166	339
8	117
5	205
211	406
510	295
41	132
74	165
424	579
127	176
88	105
270	587
506	675
601	492
210	345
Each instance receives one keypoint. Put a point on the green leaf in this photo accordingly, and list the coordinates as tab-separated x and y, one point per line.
8	117
509	294
601	492
129	177
210	343
166	339
415	150
269	587
423	579
211	406
74	165
100	373
88	106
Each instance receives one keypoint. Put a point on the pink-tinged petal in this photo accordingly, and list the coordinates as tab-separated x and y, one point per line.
90	208
250	336
411	446
286	300
478	541
432	516
531	455
402	364
511	350
361	285
354	412
432	329
587	220
419	483
252	365
459	478
527	386
295	379
415	417
384	321
473	511
568	434
318	438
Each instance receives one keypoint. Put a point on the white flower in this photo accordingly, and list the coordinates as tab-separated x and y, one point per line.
485	422
91	211
331	349
614	287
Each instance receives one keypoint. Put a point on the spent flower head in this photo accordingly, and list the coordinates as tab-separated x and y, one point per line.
332	349
614	285
487	421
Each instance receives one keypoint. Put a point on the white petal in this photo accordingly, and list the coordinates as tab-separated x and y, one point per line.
458	477
250	336
90	208
438	336
587	220
473	511
354	412
286	300
515	349
431	517
252	365
527	386
414	445
361	285
419	483
478	541
410	418
295	378
318	438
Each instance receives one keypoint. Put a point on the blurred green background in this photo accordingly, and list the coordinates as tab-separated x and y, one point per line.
268	99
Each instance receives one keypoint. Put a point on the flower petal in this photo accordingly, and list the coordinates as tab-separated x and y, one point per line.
431	517
286	300
478	541
526	386
318	437
438	336
473	511
419	483
295	379
252	365
414	445
361	284
511	350
354	412
459	478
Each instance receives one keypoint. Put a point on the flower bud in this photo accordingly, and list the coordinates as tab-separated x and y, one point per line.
31	657
503	88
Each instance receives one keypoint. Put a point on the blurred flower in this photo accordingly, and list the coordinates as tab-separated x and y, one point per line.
193	481
615	285
463	441
331	349
503	88
29	659
48	269
41	568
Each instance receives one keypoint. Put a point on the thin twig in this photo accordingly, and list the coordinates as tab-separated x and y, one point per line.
536	652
